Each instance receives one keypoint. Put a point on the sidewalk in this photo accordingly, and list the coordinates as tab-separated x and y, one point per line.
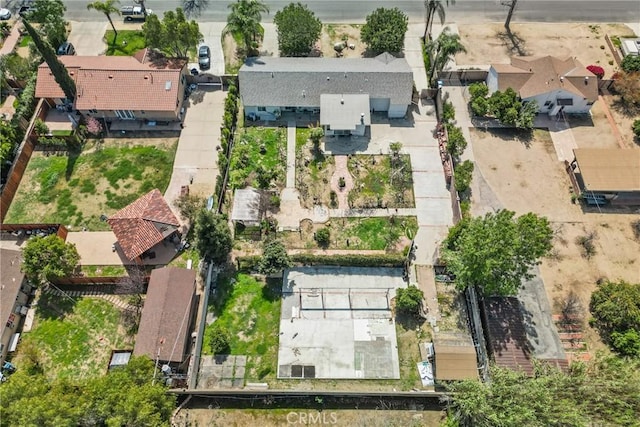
12	40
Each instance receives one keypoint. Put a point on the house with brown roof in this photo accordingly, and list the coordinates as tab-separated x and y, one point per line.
144	87
556	84
143	224
167	316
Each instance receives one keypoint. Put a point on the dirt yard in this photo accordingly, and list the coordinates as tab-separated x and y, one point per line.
336	33
280	417
488	43
528	177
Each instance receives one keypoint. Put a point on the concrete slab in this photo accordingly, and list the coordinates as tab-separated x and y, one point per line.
269	46
336	323
212	35
88	37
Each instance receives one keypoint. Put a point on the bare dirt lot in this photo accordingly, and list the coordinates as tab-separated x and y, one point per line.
528	177
488	43
280	417
336	33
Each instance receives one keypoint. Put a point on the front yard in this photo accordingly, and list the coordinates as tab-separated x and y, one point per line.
258	158
127	43
77	188
74	338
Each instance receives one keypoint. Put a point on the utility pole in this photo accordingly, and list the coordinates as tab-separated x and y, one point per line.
512	6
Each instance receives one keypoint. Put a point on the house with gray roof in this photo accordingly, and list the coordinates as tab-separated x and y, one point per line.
343	91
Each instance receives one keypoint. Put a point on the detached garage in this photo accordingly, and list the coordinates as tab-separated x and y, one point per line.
270	87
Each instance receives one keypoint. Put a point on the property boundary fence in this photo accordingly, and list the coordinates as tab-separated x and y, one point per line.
614	50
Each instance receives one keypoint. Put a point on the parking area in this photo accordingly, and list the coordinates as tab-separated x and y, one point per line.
337	323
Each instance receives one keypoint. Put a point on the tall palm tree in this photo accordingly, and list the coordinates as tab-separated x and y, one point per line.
434	7
107	7
244	20
441	50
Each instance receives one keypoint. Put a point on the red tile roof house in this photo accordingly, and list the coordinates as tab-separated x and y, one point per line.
167	317
143	224
125	91
556	84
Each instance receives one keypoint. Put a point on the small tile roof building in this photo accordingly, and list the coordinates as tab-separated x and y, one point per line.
606	176
143	224
167	316
555	84
141	87
271	86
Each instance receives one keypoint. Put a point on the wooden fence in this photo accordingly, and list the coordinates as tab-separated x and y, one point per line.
614	50
462	77
59	229
21	161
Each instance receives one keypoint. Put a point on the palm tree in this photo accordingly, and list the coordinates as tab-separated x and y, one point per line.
244	20
107	7
434	7
441	50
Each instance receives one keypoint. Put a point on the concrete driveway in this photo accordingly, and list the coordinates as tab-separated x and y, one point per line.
196	161
87	37
212	34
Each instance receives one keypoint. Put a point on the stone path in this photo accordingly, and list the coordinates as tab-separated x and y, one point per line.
113	299
342	171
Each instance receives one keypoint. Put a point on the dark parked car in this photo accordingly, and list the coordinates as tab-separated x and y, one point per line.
66	48
204	57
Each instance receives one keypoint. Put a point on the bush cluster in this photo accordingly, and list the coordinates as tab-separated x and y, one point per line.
229	120
504	106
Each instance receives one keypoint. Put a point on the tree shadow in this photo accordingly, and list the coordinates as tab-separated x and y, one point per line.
72	157
409	322
52	306
626	109
523	136
513	42
272	290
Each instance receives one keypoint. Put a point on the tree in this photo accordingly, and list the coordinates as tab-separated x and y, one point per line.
193	8
433	8
512	6
495	253
59	71
45	258
456	142
107	7
274	258
409	300
50	15
463	174
628	86
244	21
605	391
615	307
189	205
505	106
174	35
7	142
213	236
219	339
441	50
298	29
16	66
323	237
630	63
384	30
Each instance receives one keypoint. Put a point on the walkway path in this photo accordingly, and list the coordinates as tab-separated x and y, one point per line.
291	154
113	299
12	39
342	171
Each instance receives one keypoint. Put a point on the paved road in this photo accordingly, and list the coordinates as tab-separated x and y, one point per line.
463	11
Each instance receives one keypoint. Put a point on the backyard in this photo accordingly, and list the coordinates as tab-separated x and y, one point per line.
77	188
73	338
249	309
381	181
313	172
258	158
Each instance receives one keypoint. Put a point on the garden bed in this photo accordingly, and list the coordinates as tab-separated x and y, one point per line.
381	182
259	158
313	172
77	188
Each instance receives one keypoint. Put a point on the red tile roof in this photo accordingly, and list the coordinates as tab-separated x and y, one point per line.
143	224
117	82
166	315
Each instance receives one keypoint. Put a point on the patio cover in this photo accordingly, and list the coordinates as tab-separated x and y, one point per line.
344	111
609	169
246	206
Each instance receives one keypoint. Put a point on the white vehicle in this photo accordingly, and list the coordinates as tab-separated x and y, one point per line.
134	13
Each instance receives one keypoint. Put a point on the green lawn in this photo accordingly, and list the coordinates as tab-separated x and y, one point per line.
103	270
24	42
76	189
250	310
74	339
258	158
302	136
127	42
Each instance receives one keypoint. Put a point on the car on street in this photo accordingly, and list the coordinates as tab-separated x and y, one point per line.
5	14
66	48
135	13
204	57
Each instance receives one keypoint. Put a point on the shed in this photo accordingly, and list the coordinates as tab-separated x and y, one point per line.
455	362
247	207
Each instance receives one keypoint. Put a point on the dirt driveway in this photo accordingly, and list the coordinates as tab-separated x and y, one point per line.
488	43
530	178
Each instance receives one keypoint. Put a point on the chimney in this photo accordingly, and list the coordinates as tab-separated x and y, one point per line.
561	79
586	80
342	101
362	118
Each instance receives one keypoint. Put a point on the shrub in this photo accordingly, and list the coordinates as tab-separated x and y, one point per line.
219	339
323	237
456	142
448	112
597	70
409	300
463	174
630	63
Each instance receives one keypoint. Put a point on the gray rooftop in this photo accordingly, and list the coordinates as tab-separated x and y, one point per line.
299	82
246	205
344	112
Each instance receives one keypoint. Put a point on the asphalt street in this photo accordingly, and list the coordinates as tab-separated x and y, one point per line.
355	10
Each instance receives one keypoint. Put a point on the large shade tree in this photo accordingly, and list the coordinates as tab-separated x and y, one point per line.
213	236
174	35
495	253
244	21
384	30
108	7
298	29
45	258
